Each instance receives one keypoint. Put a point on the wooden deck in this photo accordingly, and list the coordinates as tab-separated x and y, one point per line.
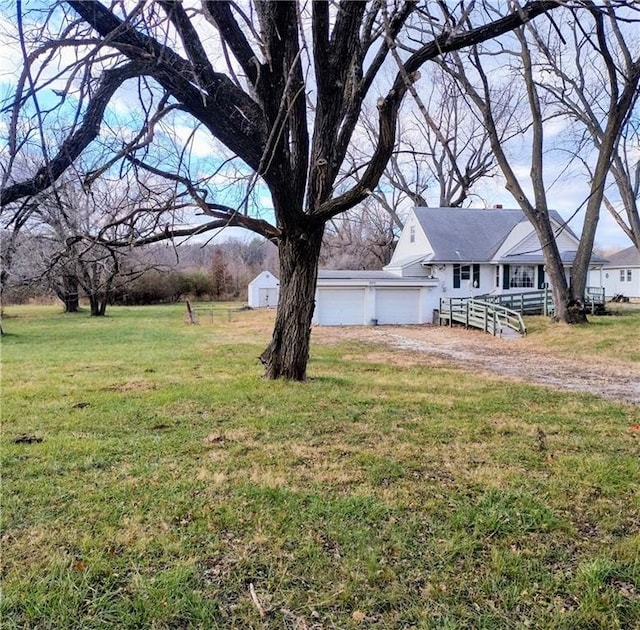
541	302
501	315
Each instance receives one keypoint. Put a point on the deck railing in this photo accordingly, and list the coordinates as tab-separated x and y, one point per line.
526	303
541	302
488	316
594	299
496	313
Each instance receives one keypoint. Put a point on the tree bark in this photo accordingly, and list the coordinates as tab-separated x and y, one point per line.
98	305
287	354
70	295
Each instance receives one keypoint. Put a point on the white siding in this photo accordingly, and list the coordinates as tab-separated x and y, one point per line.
523	240
268	297
263	290
612	283
405	247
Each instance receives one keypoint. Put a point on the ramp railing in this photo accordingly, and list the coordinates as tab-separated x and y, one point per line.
488	316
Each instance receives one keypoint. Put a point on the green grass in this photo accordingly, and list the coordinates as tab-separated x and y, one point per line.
612	337
172	481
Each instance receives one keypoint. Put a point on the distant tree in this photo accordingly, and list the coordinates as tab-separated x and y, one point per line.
71	230
442	150
220	277
11	231
592	83
360	239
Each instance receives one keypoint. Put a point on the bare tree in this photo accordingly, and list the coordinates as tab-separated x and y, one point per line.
11	231
475	73
72	229
363	238
443	147
625	168
286	105
593	83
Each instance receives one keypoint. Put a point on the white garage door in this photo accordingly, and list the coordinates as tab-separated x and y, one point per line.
398	306
340	307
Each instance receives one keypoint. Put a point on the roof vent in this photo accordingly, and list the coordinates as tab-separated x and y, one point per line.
498	206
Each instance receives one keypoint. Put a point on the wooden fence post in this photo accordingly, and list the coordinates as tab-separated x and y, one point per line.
191	316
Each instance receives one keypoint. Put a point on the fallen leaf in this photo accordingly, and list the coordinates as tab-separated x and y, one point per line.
358	616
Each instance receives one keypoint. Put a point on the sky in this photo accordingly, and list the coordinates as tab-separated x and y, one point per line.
564	197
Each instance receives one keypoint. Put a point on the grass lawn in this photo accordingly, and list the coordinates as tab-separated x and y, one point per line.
173	487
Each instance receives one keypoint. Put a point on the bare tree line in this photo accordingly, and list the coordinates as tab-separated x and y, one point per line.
153	274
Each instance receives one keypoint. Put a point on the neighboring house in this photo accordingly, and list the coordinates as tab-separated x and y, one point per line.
263	291
620	275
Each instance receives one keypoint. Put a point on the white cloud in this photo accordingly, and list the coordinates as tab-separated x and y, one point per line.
10	54
201	142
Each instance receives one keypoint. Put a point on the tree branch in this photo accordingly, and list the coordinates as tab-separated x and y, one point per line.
73	146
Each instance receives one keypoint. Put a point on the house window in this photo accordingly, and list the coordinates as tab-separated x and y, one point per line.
622	275
466	273
412	234
522	276
628	275
497	275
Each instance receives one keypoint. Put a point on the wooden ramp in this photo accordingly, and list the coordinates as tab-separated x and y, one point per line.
501	315
493	318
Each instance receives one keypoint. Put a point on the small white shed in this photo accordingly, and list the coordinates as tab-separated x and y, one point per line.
263	291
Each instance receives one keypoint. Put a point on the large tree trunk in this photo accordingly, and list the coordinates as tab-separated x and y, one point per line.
98	304
287	354
567	309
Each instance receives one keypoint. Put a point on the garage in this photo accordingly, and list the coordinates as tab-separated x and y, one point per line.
340	307
398	306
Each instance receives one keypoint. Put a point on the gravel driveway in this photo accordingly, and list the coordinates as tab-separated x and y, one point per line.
512	357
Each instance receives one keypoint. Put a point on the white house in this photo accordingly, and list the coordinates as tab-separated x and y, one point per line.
476	252
620	275
263	291
443	252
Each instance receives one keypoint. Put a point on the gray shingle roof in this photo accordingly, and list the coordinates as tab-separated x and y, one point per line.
468	234
566	257
627	257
